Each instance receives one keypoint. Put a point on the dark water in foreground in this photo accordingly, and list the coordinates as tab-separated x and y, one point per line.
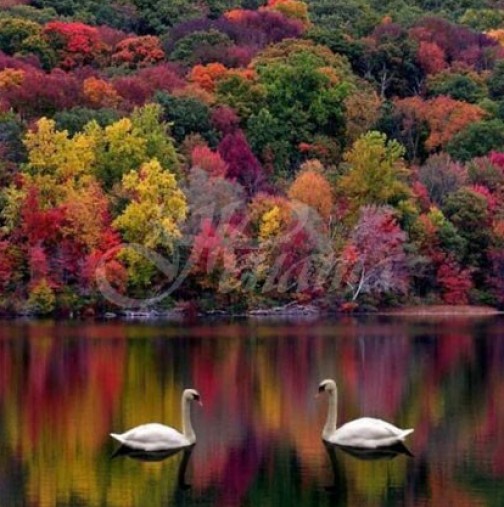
65	386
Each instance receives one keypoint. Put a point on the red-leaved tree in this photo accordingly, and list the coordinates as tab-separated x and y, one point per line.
210	161
76	44
455	281
243	165
136	52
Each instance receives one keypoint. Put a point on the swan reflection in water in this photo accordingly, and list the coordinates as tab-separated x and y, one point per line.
373	454
364	454
156	456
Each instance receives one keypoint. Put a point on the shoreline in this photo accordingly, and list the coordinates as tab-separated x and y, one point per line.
443	310
289	311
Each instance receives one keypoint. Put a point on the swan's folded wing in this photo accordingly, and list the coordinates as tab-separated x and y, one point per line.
153	433
386	427
366	430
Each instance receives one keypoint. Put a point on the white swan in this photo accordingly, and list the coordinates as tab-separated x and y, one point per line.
365	432
158	437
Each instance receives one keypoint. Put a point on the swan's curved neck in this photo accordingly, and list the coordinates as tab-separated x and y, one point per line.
332	414
187	428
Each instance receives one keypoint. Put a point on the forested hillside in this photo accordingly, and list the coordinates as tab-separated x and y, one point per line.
229	154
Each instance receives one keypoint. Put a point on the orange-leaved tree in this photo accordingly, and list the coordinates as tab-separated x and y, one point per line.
444	116
312	188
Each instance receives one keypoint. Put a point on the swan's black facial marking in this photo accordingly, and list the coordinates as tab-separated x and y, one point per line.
321	388
196	397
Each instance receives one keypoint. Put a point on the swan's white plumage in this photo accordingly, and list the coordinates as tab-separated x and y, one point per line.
158	437
365	432
368	432
152	437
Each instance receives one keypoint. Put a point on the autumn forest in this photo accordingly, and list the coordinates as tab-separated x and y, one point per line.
242	154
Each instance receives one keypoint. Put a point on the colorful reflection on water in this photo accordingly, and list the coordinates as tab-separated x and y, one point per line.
65	386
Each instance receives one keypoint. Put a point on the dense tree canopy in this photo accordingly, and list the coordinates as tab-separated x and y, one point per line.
282	150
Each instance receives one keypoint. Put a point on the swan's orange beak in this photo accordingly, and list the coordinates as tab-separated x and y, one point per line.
200	403
317	396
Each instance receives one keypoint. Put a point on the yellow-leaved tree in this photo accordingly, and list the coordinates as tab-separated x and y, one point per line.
152	218
376	174
129	142
54	157
271	223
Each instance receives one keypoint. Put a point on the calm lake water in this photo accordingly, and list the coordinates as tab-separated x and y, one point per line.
65	386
